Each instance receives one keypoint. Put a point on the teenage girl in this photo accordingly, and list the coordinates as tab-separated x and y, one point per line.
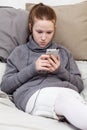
42	84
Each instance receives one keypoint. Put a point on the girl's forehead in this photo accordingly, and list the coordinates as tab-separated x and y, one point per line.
44	25
44	20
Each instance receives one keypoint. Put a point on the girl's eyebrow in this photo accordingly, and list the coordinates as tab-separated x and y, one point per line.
43	30
39	30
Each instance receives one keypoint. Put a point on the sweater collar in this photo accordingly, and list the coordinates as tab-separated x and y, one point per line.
35	47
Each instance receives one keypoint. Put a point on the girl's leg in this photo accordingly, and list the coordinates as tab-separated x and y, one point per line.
71	105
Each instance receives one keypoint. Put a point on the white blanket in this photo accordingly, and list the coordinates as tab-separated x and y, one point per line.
13	119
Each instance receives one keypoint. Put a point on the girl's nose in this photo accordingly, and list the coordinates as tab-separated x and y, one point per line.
43	37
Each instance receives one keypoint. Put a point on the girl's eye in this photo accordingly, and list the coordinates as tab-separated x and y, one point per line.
39	31
49	32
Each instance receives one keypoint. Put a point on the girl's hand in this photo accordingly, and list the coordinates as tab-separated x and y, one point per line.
42	63
48	63
54	62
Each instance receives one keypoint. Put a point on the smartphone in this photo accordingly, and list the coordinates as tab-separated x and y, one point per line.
52	51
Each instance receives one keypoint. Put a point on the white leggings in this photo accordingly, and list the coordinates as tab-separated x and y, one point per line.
59	101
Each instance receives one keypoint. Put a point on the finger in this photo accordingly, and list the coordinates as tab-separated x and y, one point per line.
45	64
54	65
54	58
44	56
52	61
45	69
58	57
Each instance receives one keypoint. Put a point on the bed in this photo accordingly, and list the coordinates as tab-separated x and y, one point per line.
71	32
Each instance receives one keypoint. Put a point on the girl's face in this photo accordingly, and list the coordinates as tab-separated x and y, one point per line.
43	31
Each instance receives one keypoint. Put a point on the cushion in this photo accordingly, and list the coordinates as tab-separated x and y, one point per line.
71	28
13	30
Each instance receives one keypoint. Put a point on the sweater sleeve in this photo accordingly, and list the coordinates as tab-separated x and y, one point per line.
71	73
13	77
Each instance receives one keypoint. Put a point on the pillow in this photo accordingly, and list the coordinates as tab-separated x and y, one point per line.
13	30
71	28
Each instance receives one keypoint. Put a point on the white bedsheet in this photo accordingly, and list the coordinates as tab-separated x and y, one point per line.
13	119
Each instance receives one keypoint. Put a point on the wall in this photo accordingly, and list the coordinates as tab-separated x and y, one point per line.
21	3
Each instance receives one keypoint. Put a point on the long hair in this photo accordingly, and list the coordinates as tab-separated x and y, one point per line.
41	11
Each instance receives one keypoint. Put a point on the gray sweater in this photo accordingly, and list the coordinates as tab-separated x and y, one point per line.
21	78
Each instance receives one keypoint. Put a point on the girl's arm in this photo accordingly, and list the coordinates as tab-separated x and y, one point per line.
71	74
15	76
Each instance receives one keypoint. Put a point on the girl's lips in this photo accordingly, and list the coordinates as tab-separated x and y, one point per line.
43	43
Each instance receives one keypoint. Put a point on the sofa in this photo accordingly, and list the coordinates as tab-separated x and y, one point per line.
71	32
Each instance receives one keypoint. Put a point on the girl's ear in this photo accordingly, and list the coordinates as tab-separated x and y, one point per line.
55	27
30	27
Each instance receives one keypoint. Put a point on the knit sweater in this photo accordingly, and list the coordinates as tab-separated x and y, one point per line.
22	80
